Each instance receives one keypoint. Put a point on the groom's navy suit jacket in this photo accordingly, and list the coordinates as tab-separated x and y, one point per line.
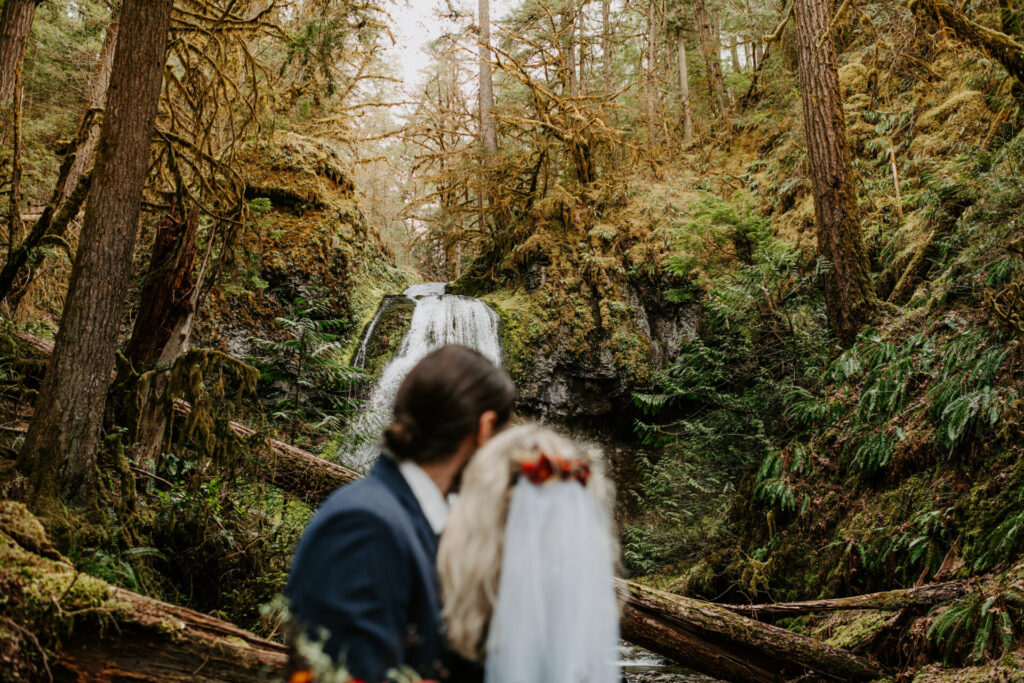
365	572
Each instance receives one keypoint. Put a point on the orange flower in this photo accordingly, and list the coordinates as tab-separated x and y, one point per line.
539	470
304	676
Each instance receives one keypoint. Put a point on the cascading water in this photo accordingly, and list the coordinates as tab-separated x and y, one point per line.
438	319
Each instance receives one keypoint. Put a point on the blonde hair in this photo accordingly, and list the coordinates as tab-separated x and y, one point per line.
470	553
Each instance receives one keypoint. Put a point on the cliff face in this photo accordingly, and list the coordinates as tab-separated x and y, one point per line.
312	253
590	314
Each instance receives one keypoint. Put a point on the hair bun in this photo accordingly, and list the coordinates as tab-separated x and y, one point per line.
400	436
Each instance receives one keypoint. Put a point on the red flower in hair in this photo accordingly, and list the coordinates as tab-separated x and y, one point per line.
543	468
539	470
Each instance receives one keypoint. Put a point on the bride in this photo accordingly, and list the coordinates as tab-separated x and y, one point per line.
527	561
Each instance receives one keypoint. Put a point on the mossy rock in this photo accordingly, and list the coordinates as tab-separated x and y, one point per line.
395	317
853	79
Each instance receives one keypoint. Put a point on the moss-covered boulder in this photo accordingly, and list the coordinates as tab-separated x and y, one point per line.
313	253
384	333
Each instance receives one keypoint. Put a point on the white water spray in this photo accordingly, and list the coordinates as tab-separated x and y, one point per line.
438	319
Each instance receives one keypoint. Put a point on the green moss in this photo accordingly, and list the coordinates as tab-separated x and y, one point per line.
524	329
388	333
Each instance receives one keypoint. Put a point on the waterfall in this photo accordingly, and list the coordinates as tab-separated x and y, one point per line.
437	319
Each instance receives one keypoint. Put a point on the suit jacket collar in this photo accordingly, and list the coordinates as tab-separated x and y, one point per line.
386	470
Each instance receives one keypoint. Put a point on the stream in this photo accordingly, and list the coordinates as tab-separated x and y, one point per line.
438	319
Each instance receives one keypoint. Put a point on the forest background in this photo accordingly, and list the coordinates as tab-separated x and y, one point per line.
774	250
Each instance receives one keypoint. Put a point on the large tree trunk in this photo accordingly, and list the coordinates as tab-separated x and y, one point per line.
720	643
60	448
849	293
167	291
684	88
163	327
15	27
709	49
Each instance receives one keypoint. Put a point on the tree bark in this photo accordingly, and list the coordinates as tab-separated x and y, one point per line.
60	448
999	46
15	28
734	54
921	596
95	99
709	49
606	46
49	226
684	88
115	634
167	291
14	197
715	641
488	133
849	293
70	192
652	74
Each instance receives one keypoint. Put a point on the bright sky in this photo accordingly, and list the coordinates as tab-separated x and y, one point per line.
417	24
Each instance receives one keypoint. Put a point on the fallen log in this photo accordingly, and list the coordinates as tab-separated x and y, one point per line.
291	469
920	596
59	624
714	640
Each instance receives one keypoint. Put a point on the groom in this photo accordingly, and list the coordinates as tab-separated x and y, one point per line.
363	580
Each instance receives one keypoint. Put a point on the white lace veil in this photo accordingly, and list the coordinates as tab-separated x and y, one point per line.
556	616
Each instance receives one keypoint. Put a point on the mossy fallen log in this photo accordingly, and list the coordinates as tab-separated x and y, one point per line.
57	623
714	640
291	469
920	596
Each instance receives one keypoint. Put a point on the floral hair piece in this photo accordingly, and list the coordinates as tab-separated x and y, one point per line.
544	467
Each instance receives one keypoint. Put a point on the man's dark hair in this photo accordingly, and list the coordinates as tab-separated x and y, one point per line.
440	402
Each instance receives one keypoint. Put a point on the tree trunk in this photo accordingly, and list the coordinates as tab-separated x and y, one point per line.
709	49
94	100
157	642
734	54
652	74
49	226
14	197
606	46
488	133
568	57
60	448
69	192
927	595
15	27
849	293
999	46
167	291
715	641
684	88
99	632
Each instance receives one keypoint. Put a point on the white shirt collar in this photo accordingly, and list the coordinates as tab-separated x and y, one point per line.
432	503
